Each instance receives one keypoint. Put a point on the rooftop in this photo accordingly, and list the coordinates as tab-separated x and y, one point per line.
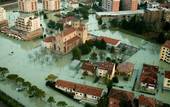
49	39
126	67
109	40
80	88
89	67
148	102
167	74
106	66
167	44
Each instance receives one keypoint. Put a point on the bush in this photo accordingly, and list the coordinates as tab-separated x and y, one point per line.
115	79
126	78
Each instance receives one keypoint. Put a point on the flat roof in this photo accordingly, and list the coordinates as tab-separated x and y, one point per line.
119	13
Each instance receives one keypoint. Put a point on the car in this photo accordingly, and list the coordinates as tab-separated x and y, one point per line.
19	89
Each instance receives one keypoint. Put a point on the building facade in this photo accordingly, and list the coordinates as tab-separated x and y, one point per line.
70	38
51	5
166	84
129	5
111	5
27	24
165	52
3	21
28	5
80	91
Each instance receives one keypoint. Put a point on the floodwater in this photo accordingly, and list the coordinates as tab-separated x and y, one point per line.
32	62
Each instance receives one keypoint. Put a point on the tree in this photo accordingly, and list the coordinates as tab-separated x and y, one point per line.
61	104
20	81
100	21
45	16
12	77
93	56
3	71
161	38
39	93
108	59
112	50
85	49
32	90
76	53
51	24
51	77
51	100
115	79
27	85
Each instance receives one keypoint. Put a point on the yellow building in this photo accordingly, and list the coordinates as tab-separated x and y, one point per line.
27	5
51	5
3	21
165	52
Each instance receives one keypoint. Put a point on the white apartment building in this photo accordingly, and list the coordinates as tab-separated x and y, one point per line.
165	52
27	5
51	5
2	14
28	24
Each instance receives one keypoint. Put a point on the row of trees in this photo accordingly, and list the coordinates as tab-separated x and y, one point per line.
53	25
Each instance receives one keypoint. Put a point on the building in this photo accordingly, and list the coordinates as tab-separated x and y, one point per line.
165	52
29	26
153	5
70	38
51	5
109	41
3	21
129	5
27	23
125	69
118	96
106	69
111	5
152	15
28	5
79	91
146	101
148	77
88	68
49	42
166	84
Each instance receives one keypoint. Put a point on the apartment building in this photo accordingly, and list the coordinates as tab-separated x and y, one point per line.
111	5
165	52
28	6
129	5
28	23
51	5
3	21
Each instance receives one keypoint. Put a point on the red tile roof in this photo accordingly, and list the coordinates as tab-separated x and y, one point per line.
88	90
165	5
68	31
72	40
109	40
49	39
167	74
167	44
149	74
65	84
88	66
115	96
146	101
80	88
106	66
